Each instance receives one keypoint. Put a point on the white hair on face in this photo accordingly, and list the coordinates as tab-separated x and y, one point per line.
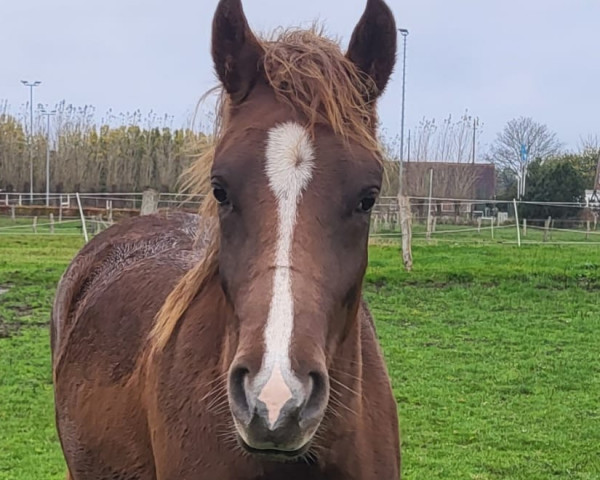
289	168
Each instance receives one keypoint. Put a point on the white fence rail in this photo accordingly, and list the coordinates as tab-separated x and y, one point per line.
450	220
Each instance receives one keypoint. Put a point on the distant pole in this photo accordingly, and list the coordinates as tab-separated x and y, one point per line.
31	86
474	137
408	148
404	33
48	115
524	160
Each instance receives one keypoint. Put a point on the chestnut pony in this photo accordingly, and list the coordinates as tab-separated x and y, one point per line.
235	344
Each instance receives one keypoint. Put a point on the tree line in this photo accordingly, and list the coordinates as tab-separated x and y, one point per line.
123	153
129	152
552	174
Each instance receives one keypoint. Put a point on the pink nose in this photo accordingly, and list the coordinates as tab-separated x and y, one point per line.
274	416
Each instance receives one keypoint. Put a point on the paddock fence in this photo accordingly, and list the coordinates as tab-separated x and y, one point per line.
432	220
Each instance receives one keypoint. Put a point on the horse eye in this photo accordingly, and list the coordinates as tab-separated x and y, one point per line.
366	204
220	195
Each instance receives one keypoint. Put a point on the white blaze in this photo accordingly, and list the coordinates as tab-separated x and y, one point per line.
289	167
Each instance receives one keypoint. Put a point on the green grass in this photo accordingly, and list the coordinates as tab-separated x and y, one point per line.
29	269
494	353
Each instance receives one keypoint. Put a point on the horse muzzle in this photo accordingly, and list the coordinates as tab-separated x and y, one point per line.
278	417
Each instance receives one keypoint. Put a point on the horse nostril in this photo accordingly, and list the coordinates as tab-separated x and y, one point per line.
237	393
317	396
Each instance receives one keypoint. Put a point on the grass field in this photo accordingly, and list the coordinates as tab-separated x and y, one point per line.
494	353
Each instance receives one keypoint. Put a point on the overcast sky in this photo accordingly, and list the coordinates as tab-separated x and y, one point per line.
497	58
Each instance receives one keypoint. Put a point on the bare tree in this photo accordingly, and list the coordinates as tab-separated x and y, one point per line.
589	144
449	141
540	142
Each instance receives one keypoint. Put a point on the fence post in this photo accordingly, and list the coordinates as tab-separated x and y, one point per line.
83	225
524	227
492	225
517	222
587	231
34	225
547	228
149	201
375	226
51	223
479	220
406	231
13	216
429	204
429	225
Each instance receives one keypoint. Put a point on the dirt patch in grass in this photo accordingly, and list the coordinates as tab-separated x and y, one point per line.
22	310
10	329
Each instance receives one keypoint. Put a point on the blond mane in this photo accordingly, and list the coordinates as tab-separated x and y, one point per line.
309	72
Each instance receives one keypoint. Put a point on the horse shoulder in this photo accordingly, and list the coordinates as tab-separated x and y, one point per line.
106	258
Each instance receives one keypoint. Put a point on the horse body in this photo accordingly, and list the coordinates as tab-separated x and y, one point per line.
235	344
122	417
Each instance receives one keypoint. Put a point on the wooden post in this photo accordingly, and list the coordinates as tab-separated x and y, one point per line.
149	201
82	216
34	224
375	227
493	220
51	223
428	233
13	215
479	220
547	228
429	204
60	209
524	227
517	222
587	232
406	229
20	200
110	211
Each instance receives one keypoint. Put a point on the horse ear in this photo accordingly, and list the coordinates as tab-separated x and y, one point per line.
373	44
236	51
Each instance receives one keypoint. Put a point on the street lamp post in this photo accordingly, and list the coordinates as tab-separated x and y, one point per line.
31	86
404	33
48	115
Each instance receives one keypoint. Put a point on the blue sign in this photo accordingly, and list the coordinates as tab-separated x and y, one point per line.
523	153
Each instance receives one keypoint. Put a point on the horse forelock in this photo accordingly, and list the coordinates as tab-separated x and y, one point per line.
309	71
